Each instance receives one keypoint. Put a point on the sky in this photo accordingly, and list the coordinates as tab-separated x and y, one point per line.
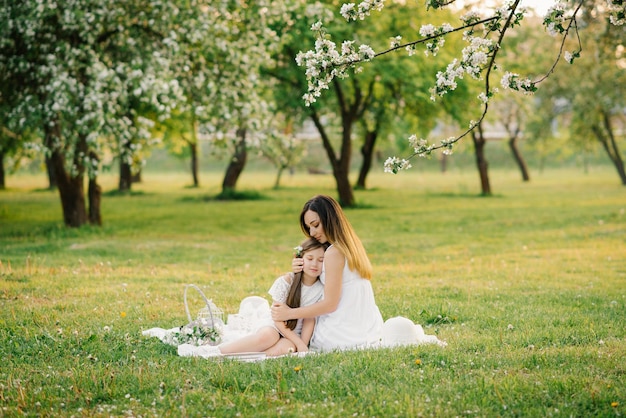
540	6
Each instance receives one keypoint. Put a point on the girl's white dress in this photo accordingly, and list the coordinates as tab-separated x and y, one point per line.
356	323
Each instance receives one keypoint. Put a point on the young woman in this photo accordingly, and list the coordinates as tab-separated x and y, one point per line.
347	316
280	337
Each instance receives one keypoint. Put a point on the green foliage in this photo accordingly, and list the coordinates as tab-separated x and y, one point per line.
98	81
527	288
85	79
591	109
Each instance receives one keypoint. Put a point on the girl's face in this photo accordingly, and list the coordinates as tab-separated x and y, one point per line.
316	230
313	260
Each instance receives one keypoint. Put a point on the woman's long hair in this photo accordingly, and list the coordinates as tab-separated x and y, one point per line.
339	232
295	291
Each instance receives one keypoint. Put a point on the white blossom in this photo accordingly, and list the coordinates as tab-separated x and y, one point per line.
617	12
352	12
395	164
427	30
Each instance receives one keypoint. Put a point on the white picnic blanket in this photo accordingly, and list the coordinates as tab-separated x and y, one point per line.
255	310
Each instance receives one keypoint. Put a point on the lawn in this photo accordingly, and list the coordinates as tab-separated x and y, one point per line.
527	287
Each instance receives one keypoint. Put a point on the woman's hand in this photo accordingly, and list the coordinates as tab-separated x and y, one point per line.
280	312
297	264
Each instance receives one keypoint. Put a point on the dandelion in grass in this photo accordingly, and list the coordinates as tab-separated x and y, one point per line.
418	362
614	404
297	368
123	314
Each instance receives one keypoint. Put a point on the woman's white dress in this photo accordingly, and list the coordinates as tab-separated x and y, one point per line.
356	323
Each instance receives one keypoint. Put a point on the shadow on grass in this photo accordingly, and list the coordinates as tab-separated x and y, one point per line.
117	192
464	195
229	195
52	231
358	206
45	190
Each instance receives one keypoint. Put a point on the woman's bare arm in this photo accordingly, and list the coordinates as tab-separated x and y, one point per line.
334	262
308	325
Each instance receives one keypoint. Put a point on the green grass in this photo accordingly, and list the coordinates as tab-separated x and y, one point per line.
527	287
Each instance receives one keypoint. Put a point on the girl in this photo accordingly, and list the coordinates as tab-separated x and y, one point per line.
348	316
293	289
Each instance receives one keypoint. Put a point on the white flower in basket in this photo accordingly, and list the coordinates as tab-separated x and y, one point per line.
207	329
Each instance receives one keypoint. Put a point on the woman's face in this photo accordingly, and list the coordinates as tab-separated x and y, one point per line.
316	230
313	260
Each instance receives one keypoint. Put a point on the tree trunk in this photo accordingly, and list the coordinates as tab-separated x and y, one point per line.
2	172
193	147
618	162
126	178
344	189
136	177
72	194
95	197
367	152
278	176
443	163
481	161
52	180
350	112
237	163
518	158
71	188
610	146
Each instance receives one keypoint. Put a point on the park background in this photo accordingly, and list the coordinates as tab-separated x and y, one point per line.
524	281
526	287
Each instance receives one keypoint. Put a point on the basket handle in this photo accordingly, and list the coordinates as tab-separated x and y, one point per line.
208	304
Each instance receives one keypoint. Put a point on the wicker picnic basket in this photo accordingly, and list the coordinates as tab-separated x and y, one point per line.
207	328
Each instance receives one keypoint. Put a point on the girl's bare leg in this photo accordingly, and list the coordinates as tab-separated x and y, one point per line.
282	346
263	339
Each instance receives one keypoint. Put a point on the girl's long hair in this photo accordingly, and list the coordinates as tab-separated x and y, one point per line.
295	291
339	232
